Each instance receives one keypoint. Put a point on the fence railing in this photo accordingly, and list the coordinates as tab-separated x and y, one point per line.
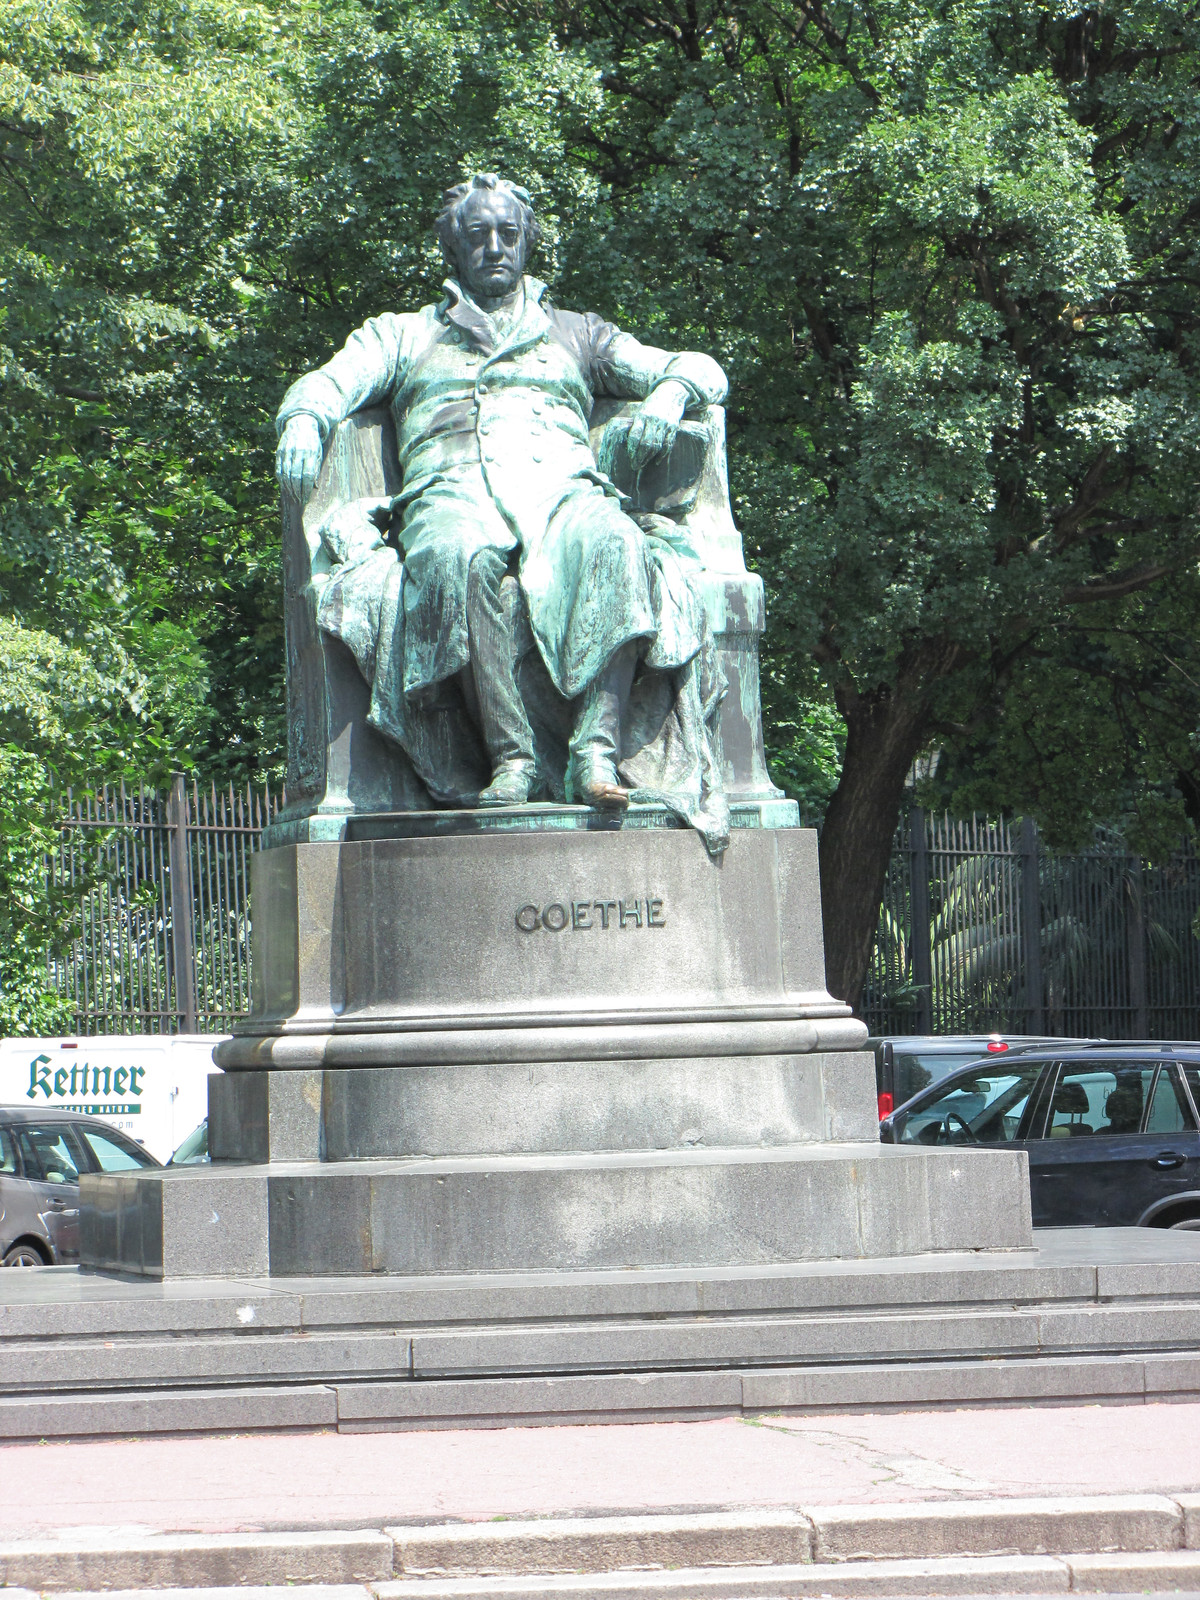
164	945
984	929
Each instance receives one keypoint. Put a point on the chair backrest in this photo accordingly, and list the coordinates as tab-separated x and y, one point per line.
337	763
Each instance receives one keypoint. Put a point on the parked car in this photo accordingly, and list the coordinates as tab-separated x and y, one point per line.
907	1063
1112	1130
41	1157
193	1152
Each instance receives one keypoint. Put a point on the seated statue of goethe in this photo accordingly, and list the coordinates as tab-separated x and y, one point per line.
524	637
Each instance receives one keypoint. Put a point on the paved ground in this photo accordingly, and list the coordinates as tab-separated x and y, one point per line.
349	1480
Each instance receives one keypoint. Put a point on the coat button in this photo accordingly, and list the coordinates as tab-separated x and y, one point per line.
482	388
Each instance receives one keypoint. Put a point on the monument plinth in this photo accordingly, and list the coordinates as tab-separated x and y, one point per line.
538	971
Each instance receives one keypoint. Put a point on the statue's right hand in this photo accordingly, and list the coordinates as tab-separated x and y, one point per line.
298	458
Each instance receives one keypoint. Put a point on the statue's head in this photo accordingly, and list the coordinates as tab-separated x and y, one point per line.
487	231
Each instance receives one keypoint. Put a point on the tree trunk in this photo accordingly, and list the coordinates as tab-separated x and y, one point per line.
884	735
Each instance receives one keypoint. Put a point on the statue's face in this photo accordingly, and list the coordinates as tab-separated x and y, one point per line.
491	250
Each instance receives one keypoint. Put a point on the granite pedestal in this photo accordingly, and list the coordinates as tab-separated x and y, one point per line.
517	1047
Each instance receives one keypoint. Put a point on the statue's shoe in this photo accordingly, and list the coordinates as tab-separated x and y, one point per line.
511	785
599	785
604	796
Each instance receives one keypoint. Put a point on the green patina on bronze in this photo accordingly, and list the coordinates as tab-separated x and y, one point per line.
586	625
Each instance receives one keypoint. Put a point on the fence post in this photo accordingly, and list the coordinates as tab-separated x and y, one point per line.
183	954
1031	928
1136	937
918	897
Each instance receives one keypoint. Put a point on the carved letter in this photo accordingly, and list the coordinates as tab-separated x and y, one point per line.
604	907
560	918
654	914
581	916
527	919
631	913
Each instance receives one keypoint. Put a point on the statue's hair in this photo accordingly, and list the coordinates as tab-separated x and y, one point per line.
452	202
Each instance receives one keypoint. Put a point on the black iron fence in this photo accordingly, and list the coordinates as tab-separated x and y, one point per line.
981	928
984	929
164	945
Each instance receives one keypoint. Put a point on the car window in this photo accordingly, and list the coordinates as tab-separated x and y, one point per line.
1191	1073
8	1152
913	1070
49	1153
1100	1101
985	1107
1169	1110
112	1153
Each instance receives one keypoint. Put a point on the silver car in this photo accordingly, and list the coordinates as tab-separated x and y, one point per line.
41	1156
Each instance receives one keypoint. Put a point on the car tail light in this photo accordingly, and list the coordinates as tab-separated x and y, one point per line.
887	1105
996	1045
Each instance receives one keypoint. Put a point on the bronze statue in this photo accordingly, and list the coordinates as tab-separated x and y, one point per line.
506	592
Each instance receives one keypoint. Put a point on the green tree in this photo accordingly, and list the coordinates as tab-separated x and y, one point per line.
948	253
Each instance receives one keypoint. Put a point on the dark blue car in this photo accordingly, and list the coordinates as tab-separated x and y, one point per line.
1112	1131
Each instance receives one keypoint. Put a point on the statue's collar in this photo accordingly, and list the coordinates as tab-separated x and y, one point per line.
465	314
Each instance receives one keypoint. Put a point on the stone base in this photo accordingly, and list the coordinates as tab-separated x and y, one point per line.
532	1107
537	945
544	1050
688	1208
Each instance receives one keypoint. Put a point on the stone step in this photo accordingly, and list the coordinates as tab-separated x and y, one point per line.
112	1559
1084	1314
767	1346
998	1575
352	1406
1114	1543
821	1534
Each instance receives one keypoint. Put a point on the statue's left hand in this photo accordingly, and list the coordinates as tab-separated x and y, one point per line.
298	458
654	428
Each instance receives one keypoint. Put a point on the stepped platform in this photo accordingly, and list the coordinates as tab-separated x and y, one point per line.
1104	1314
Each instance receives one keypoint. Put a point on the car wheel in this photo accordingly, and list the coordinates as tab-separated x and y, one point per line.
24	1255
1186	1225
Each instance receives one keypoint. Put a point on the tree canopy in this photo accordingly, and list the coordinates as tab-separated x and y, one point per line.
946	249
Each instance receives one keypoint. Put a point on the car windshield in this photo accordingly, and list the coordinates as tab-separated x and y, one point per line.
194	1148
984	1107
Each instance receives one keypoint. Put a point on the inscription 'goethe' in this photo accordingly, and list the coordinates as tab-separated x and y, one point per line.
585	916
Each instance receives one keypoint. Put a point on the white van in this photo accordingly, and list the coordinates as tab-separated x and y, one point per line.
153	1086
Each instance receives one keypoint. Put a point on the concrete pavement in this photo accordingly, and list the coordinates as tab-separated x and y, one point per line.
330	1480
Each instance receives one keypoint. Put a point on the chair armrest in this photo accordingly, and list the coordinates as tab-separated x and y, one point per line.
360	463
691	484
